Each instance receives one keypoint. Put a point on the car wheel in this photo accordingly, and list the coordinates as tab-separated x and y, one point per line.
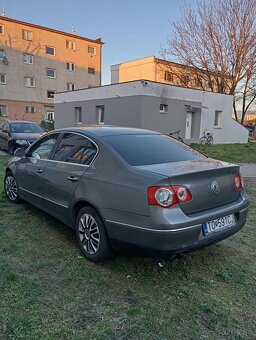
92	236
10	188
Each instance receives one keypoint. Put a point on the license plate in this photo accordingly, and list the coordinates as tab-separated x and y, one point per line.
218	224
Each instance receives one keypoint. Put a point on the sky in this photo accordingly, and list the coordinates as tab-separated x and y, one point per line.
130	29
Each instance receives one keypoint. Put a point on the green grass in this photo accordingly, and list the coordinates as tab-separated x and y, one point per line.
49	291
237	153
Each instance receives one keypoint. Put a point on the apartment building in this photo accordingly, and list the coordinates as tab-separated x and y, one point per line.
159	70
36	62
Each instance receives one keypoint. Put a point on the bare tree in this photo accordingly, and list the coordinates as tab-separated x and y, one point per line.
218	41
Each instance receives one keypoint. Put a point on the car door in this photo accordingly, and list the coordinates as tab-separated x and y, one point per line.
30	169
63	173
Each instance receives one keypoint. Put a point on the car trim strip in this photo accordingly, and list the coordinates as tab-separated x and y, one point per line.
155	230
44	198
62	205
30	192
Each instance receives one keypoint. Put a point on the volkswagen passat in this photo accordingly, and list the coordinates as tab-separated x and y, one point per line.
124	186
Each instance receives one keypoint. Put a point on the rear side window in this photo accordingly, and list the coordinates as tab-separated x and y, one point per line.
151	149
75	148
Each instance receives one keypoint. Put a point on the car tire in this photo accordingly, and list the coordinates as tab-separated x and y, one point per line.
92	236
10	188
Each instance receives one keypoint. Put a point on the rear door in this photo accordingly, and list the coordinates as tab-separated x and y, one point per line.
64	170
30	169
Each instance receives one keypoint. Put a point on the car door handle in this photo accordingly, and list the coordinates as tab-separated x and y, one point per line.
73	179
39	171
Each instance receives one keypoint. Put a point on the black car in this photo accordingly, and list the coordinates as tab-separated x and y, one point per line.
18	134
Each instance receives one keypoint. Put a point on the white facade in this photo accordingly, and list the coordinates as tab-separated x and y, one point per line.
201	110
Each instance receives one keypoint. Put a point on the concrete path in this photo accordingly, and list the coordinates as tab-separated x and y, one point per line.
248	169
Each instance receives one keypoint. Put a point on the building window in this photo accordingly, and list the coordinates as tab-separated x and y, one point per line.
217	118
2	78
2	54
50	94
3	110
91	50
50	50
168	76
91	70
70	66
49	116
30	109
163	108
78	115
70	86
50	72
100	114
27	35
1	29
29	82
184	80
28	58
70	45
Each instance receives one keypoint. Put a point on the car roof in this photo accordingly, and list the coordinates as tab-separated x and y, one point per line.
102	131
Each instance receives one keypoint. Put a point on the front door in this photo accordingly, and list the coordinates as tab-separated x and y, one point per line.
188	125
30	174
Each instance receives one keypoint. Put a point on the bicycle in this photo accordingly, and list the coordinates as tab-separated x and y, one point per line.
178	137
207	138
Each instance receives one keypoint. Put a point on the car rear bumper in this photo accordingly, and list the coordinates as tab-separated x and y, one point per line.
179	237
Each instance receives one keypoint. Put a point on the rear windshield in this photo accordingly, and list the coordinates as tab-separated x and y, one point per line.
151	149
25	127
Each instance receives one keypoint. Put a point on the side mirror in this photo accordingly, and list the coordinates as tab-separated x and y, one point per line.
20	152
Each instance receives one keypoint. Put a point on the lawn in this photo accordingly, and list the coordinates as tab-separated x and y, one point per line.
49	291
237	153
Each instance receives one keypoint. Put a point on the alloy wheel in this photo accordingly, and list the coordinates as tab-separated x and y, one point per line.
11	188
89	234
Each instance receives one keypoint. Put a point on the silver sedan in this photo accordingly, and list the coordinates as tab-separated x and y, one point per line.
129	188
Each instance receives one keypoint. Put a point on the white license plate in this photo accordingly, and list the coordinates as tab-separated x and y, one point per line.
218	224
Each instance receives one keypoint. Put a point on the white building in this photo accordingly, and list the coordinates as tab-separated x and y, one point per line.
155	106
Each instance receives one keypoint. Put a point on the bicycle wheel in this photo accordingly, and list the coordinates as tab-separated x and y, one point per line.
203	140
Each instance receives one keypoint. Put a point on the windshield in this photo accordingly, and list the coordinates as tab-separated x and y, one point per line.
20	127
151	149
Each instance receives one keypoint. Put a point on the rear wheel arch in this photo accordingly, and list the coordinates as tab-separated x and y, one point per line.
78	206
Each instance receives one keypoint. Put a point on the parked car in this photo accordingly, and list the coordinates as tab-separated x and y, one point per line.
18	134
123	186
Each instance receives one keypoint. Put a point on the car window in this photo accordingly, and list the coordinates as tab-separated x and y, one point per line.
74	148
43	148
151	149
26	127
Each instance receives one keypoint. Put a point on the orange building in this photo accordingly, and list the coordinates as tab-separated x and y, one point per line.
159	70
36	62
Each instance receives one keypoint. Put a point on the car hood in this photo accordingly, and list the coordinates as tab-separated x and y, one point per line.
27	136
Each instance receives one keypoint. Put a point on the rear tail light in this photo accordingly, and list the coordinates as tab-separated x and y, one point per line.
238	181
167	196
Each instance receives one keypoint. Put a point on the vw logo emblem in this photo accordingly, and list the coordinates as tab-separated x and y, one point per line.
215	187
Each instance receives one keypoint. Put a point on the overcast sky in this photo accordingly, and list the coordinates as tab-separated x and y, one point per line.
130	29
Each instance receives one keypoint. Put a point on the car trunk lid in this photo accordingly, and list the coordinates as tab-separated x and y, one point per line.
210	182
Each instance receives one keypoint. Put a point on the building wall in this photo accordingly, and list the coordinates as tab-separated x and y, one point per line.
155	69
13	44
133	70
137	104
